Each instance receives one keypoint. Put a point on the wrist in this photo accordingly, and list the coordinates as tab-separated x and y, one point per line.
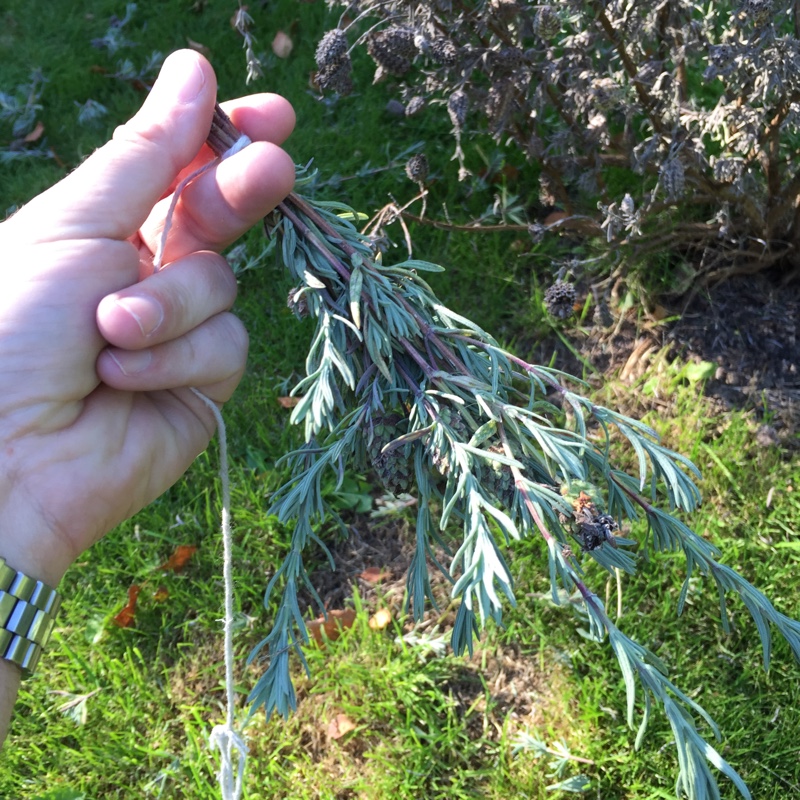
32	546
28	609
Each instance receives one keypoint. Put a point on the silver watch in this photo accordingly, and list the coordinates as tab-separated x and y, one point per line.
28	611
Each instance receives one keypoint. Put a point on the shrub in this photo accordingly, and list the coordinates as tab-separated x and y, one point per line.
691	107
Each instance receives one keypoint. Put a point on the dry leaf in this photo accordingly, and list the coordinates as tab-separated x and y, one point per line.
125	617
178	560
554	216
282	45
340	726
198	47
160	594
288	402
321	629
36	133
381	619
659	313
374	575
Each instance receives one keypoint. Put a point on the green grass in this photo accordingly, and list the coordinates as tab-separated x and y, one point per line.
424	727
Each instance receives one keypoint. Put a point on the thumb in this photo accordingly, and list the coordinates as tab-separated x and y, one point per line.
113	191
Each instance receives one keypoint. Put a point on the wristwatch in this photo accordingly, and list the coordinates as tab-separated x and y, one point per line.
28	611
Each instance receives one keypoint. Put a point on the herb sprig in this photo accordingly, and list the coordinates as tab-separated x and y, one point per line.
397	380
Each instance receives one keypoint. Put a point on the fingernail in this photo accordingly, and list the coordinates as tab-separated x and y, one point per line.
147	313
180	81
132	362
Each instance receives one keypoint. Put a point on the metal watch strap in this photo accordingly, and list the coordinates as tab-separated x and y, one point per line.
28	611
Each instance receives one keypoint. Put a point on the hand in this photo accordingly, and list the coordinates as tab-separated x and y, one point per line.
97	352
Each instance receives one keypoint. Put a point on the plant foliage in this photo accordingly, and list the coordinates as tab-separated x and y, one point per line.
496	446
691	106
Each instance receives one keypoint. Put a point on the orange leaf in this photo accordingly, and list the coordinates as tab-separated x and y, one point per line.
125	617
321	629
36	133
160	594
288	402
373	575
554	216
282	45
381	619
177	561
340	726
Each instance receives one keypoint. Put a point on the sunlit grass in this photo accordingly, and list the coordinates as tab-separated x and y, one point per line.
424	727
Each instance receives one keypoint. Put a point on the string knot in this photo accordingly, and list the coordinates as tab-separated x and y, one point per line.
230	780
238	145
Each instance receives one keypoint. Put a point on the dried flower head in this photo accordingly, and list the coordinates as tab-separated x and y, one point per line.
559	299
332	48
391	464
392	49
506	60
758	12
457	106
443	52
673	178
337	77
546	23
417	168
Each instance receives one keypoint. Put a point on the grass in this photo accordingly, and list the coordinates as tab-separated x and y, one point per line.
423	726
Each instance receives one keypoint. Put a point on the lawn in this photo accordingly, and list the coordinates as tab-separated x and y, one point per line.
387	711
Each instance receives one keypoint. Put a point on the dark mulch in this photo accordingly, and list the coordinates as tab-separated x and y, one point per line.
747	327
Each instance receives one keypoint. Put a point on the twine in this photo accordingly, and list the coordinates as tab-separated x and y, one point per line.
223	737
240	144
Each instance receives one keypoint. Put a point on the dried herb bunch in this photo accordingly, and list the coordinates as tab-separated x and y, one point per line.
697	102
396	380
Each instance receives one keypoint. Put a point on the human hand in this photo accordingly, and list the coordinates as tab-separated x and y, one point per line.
97	352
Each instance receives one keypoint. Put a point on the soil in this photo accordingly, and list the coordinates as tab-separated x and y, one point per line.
747	328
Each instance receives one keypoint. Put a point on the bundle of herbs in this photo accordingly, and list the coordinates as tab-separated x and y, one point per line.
493	444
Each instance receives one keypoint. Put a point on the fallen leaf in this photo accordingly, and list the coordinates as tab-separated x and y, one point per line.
282	45
321	629
659	313
340	726
198	47
288	402
36	133
178	560
374	575
160	594
125	617
381	619
554	216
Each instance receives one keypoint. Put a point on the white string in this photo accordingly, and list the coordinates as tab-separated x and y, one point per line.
223	737
240	144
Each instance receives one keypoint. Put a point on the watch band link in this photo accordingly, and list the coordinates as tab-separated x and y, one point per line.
28	611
